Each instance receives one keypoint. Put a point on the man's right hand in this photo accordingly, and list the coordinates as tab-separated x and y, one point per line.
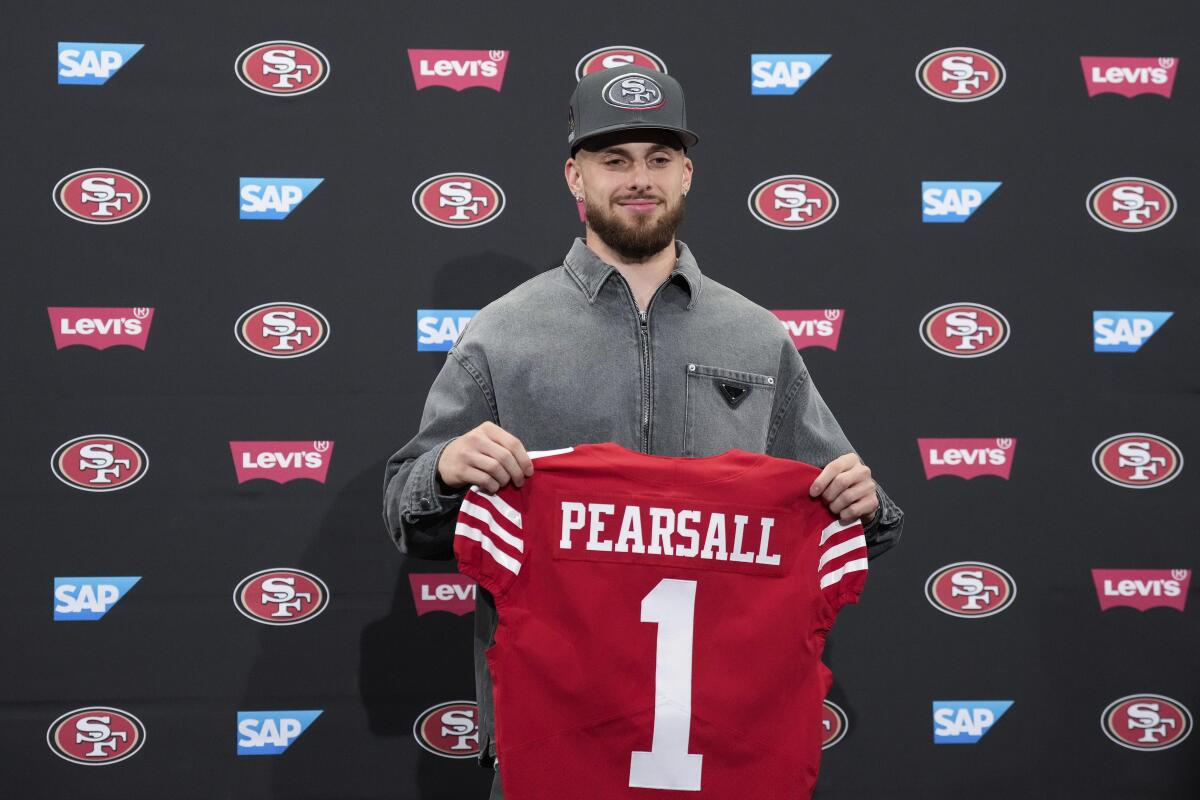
487	456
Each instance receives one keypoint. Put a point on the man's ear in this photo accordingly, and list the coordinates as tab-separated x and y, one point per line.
687	174
574	177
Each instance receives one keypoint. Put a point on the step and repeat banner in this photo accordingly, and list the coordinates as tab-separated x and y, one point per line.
240	240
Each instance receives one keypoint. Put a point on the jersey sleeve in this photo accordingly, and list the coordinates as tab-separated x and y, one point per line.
842	562
489	539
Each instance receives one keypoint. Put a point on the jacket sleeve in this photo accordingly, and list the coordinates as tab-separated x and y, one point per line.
804	429
419	515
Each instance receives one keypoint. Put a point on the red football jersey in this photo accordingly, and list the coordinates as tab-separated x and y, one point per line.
661	622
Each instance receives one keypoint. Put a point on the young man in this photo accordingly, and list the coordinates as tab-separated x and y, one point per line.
625	342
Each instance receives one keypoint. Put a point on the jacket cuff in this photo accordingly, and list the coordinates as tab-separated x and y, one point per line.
425	498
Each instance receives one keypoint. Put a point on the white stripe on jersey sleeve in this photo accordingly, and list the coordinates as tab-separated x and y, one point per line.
841	549
510	513
834	527
502	558
485	515
850	566
540	453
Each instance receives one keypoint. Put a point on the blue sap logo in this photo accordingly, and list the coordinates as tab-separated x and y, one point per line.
88	599
776	73
965	721
953	201
1125	331
438	328
269	733
274	198
92	63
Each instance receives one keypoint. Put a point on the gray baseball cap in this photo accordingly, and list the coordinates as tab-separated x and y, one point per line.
624	98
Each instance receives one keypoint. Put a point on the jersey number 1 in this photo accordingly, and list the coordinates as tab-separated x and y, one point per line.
669	765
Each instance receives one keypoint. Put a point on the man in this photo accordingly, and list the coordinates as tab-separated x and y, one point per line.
625	342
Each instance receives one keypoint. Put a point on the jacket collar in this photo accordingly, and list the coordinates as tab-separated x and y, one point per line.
590	272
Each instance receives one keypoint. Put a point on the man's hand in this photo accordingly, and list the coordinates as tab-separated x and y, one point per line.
846	486
487	456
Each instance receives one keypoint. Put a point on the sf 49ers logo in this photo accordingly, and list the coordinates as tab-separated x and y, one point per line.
834	724
458	200
960	74
612	57
281	596
450	730
1146	722
96	735
964	330
793	202
1137	460
282	330
99	463
1131	205
101	196
970	589
282	68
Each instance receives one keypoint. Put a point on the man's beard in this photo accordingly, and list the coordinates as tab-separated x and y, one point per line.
636	240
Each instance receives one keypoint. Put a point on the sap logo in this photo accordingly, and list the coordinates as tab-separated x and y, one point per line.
439	328
773	73
953	201
269	733
1125	331
274	198
965	721
92	63
88	599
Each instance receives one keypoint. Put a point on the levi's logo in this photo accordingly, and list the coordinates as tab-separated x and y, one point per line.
100	328
812	327
458	69
1129	76
1142	588
967	458
281	461
442	591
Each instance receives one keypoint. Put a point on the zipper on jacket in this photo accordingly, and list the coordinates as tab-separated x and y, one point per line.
644	336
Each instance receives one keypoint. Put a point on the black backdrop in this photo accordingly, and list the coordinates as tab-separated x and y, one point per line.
176	653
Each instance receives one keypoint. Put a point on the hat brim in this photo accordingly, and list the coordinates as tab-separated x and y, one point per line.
686	137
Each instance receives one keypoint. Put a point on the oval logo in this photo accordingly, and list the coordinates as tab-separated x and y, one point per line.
1137	460
960	74
1146	722
282	330
964	330
282	68
633	92
793	202
1131	204
613	57
101	196
450	730
834	724
458	200
96	736
99	463
281	596
970	589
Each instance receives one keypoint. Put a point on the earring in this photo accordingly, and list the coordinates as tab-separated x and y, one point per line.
578	198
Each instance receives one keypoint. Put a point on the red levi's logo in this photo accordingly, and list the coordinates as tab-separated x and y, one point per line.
281	461
442	591
1129	77
100	328
458	69
967	458
1142	588
812	328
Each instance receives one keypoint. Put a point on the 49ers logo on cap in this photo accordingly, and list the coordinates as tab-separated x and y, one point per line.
970	589
960	74
281	596
458	200
96	735
793	202
620	56
1131	204
99	463
282	68
450	730
964	330
101	196
1146	722
282	330
834	724
633	92
1137	460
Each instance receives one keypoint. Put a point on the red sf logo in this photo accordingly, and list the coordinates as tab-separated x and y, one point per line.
964	330
960	74
96	735
970	589
612	57
1146	722
99	463
101	196
282	68
1137	460
282	330
450	730
793	202
1131	205
458	200
281	596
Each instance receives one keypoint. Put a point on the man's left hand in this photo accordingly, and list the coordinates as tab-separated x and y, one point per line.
846	486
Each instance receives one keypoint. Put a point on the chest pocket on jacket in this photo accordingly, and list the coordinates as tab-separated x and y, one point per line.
726	408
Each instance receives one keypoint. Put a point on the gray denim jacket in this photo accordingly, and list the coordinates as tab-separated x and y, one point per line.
566	358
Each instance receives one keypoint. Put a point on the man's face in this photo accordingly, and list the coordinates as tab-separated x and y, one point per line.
633	184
